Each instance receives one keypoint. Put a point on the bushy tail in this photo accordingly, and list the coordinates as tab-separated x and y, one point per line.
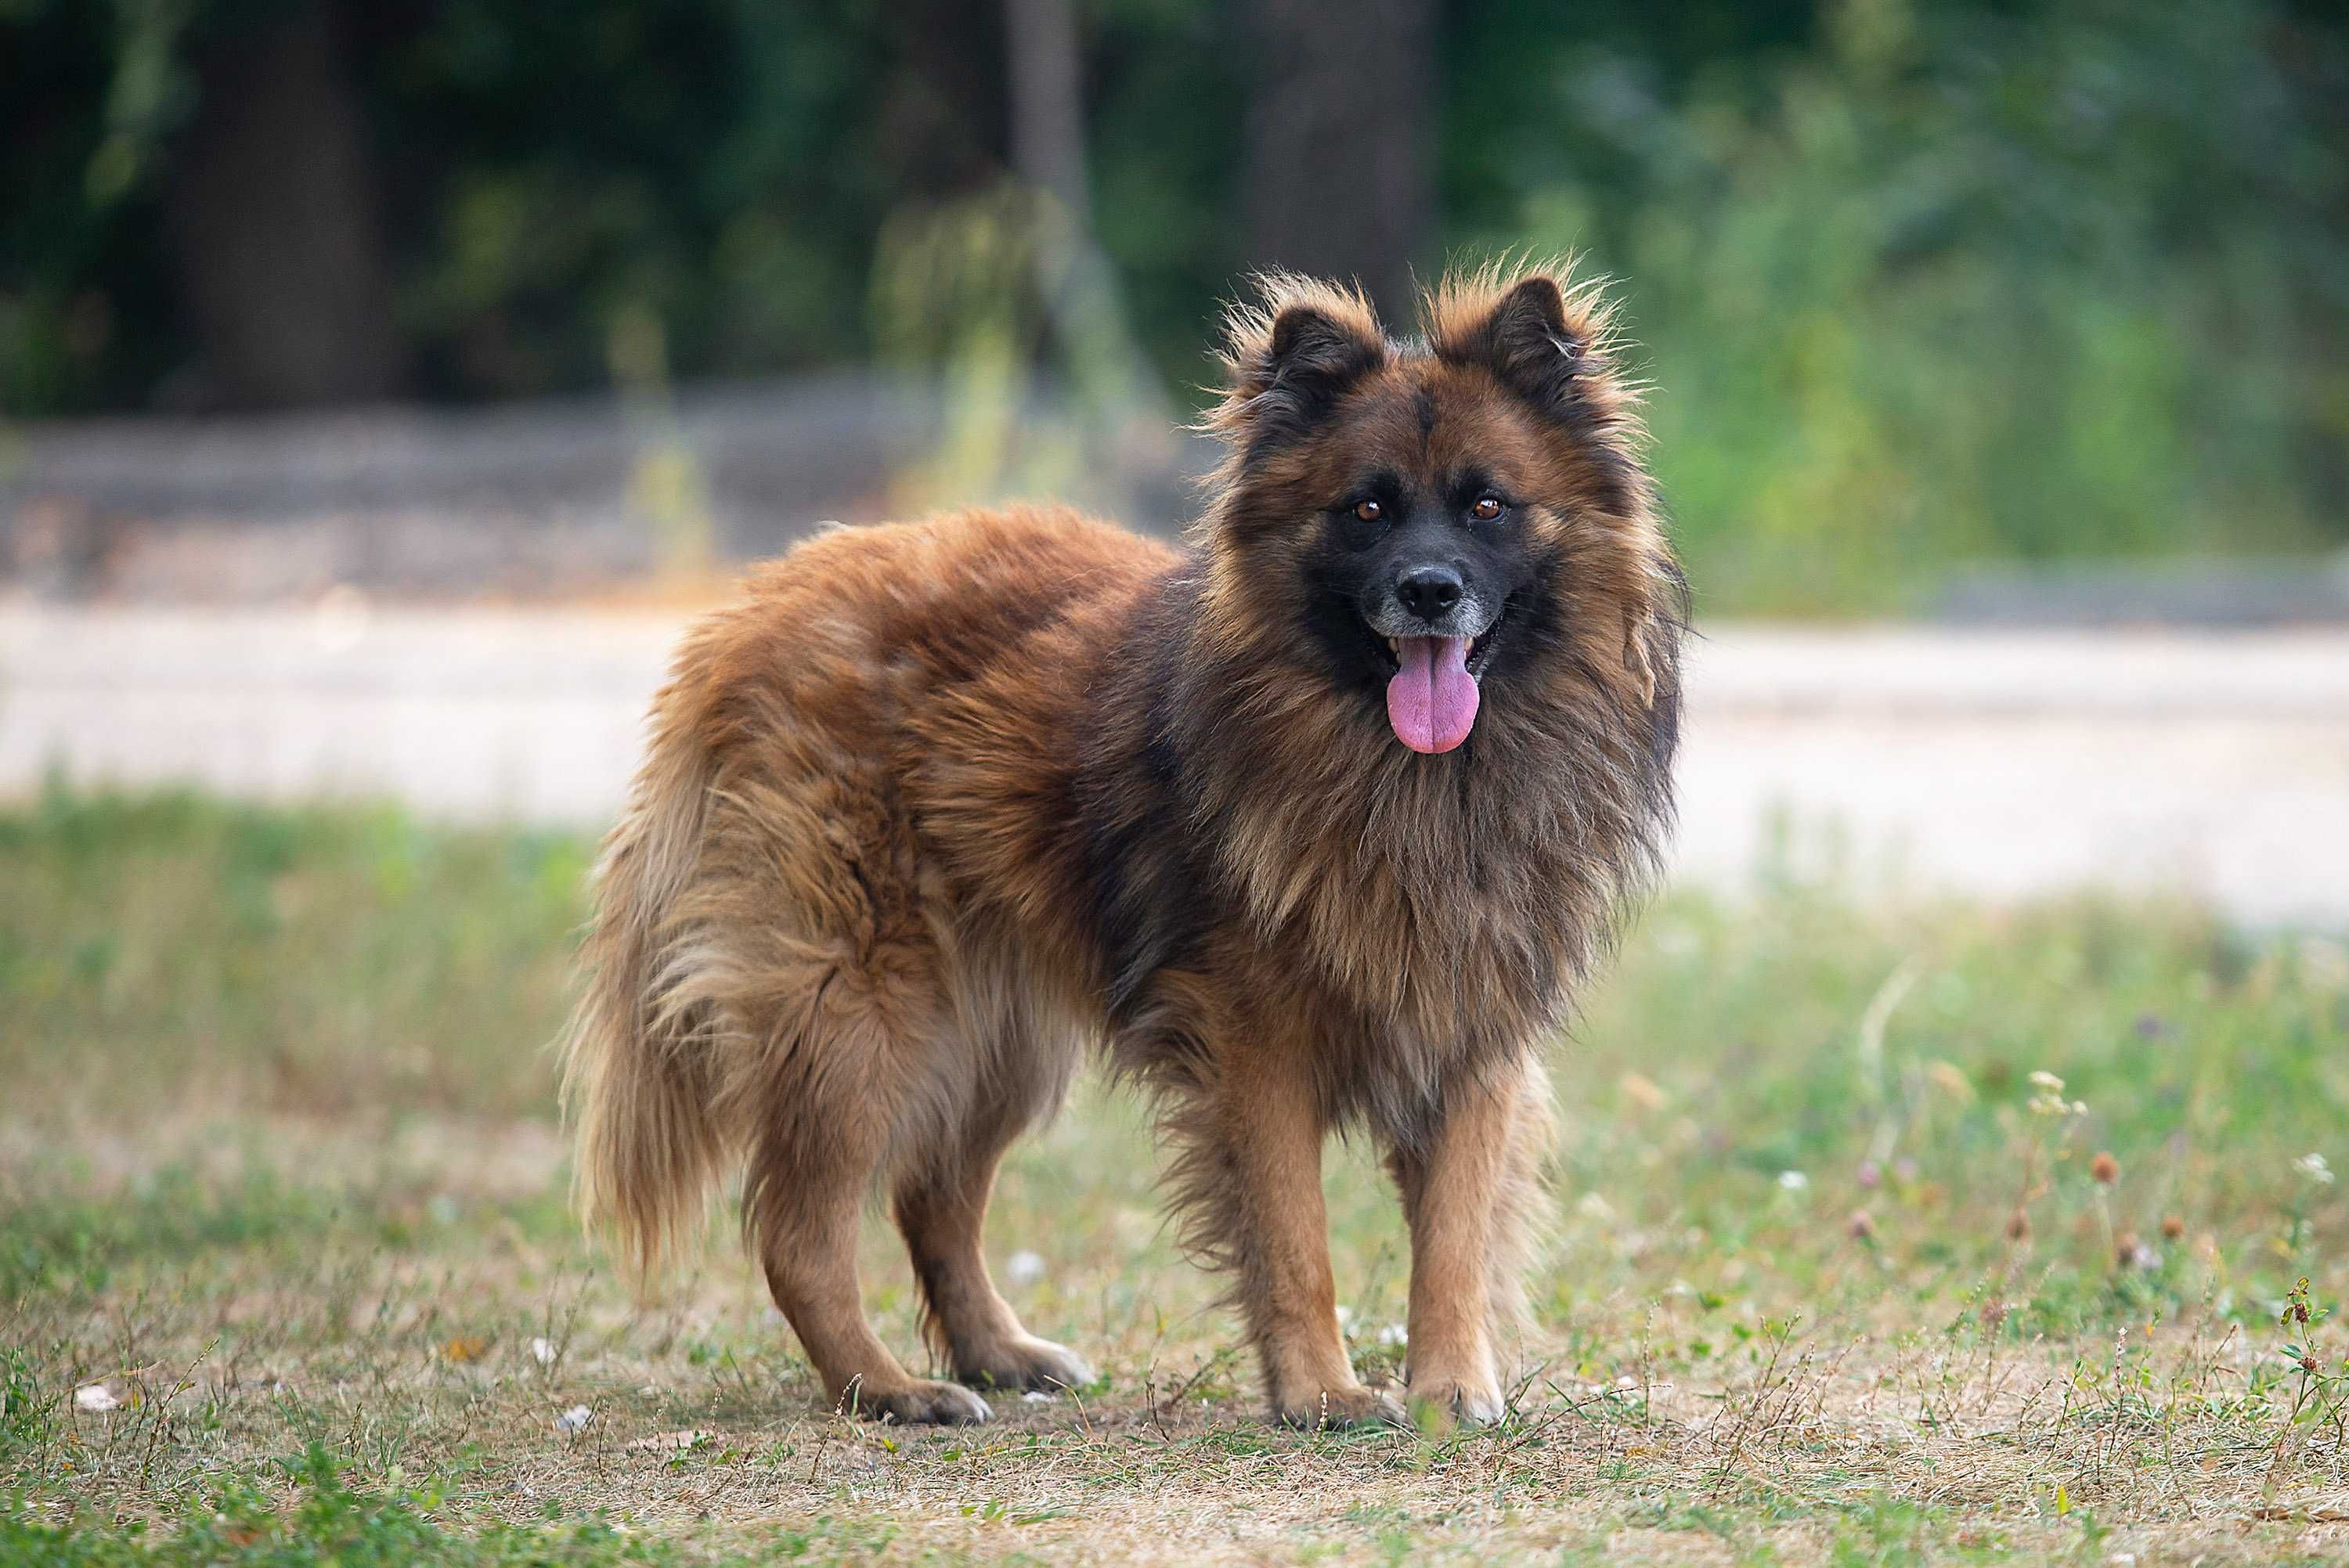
636	1068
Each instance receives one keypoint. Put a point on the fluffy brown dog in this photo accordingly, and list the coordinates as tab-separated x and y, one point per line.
1313	824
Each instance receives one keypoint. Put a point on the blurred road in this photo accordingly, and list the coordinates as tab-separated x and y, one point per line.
2001	763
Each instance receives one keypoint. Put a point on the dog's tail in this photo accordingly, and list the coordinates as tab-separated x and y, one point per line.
636	1059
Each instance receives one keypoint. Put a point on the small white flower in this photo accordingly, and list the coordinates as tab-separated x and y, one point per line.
543	1352
1394	1335
96	1397
1345	1316
1037	1397
1024	1267
573	1418
2050	1100
1793	1180
2312	1168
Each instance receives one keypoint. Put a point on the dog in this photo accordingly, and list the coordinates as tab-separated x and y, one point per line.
1313	824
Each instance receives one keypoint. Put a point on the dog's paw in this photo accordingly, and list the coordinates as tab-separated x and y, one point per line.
919	1404
1441	1401
1027	1362
1350	1406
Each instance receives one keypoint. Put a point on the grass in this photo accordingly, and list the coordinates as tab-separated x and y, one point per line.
278	1177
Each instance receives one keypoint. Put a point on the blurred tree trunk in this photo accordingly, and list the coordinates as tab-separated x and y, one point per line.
1115	396
1047	126
275	226
942	114
1340	141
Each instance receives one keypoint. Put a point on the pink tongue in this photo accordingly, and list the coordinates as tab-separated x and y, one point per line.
1432	701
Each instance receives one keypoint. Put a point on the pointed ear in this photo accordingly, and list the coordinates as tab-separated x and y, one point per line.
1289	366
1527	342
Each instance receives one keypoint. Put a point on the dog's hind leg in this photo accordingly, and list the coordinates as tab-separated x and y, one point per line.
941	1205
809	943
822	1142
811	1266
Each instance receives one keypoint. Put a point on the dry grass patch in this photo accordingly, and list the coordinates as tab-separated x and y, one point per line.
1834	1278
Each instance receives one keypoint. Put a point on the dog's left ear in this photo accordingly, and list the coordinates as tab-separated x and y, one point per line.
1528	343
1526	339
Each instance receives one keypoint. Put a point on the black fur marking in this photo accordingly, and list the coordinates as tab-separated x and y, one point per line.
1535	620
1148	888
1613	478
1664	716
1357	656
1663	734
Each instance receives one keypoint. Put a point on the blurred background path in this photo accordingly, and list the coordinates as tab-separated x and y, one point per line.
2019	324
2001	763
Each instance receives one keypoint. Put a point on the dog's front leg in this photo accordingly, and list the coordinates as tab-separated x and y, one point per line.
1254	1178
1463	1186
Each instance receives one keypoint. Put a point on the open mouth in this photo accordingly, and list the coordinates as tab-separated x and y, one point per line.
1480	647
1433	693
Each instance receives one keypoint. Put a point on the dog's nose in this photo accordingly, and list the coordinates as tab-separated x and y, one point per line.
1428	591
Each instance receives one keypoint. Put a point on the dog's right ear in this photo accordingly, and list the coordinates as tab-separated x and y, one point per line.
1287	361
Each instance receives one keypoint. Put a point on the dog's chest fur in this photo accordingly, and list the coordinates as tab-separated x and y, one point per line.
1253	836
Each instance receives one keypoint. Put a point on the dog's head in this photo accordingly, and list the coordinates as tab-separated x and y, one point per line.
1456	525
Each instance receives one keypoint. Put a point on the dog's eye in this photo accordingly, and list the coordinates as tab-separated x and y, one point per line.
1487	509
1369	511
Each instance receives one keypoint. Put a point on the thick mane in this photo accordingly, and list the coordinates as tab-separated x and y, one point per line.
1456	902
1456	899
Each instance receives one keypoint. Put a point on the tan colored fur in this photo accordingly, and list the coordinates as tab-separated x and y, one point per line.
942	807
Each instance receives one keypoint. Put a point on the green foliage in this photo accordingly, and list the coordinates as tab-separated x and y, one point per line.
1919	281
1970	284
29	1414
329	1522
547	173
68	1244
604	163
305	960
